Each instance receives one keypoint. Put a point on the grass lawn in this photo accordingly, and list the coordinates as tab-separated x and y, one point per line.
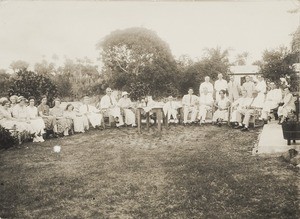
189	172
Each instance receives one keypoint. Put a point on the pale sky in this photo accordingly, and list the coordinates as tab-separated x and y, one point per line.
29	30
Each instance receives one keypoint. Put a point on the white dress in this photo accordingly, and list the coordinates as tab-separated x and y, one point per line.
36	122
91	114
223	113
79	122
125	105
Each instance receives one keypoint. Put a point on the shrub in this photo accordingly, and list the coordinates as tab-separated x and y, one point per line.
7	140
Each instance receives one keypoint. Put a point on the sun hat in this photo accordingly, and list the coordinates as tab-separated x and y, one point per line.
124	93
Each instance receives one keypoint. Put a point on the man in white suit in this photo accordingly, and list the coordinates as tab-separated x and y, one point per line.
90	114
206	85
189	103
109	105
220	84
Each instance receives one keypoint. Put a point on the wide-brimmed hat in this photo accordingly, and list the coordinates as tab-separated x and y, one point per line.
21	98
124	93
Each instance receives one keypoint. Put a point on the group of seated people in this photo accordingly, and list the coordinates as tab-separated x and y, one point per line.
225	101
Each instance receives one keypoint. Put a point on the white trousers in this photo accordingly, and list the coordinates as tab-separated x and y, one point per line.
129	117
203	109
186	111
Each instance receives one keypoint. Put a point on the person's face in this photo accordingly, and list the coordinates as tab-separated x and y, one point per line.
86	100
7	105
206	79
57	103
108	92
70	108
22	103
13	101
272	86
31	102
190	91
220	76
44	100
247	79
221	94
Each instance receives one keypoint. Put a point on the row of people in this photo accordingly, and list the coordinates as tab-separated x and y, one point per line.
27	117
233	88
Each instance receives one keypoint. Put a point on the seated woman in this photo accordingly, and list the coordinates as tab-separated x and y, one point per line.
63	125
44	112
222	112
76	119
288	105
8	122
127	107
36	122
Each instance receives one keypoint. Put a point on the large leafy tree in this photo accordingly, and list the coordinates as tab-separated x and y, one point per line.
137	60
277	63
28	83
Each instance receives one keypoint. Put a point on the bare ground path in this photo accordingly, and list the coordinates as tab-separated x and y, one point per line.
189	172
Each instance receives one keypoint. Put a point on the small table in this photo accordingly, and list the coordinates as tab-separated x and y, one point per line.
159	114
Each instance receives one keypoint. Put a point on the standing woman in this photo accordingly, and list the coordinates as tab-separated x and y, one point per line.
44	112
36	122
288	105
63	125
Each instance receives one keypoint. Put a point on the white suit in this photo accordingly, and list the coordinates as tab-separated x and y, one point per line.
125	104
90	114
205	102
273	99
170	109
189	106
109	104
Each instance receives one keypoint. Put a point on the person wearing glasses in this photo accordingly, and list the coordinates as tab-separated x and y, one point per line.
109	105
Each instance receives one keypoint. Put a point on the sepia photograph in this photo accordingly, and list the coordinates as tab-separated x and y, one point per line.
180	109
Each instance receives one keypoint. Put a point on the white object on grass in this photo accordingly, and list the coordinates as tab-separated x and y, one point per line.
57	148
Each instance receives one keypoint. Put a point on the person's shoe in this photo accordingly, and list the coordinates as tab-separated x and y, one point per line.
245	129
219	124
134	125
238	127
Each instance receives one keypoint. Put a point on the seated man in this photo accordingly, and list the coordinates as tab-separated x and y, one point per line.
171	109
239	105
206	102
108	104
127	106
248	111
90	113
274	97
222	112
189	102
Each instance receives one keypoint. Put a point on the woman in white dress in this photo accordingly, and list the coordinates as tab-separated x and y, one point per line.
8	122
36	122
288	105
127	107
222	112
77	119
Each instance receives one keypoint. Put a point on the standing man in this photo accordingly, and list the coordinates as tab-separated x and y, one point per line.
189	102
108	104
206	85
261	87
233	90
248	86
220	84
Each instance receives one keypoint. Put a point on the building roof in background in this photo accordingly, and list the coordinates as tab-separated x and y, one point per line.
244	69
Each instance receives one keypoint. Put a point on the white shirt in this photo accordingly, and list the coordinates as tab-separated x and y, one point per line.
242	102
274	95
107	101
208	86
261	87
125	103
220	85
189	100
206	99
87	109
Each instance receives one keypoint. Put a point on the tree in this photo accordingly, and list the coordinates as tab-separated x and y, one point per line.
44	68
28	83
4	83
137	56
277	63
241	59
19	65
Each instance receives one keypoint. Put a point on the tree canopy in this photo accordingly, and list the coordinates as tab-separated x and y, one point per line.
137	56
